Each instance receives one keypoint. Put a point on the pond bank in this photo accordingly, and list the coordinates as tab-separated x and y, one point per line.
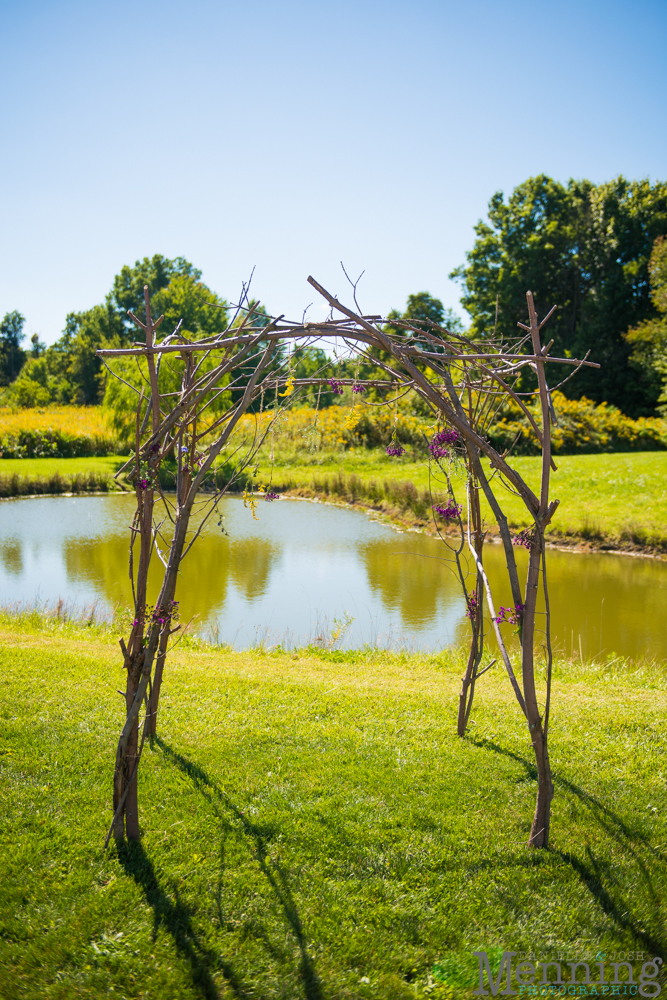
609	503
408	521
96	485
305	571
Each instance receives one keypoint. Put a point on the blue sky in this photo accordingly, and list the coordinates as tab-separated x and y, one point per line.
290	136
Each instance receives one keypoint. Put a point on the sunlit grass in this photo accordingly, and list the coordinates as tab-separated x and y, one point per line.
30	476
312	827
56	432
35	468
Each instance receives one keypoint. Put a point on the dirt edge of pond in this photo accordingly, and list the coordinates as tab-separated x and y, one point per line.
408	521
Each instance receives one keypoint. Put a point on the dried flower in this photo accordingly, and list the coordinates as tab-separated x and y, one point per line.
395	449
473	603
336	386
358	388
272	496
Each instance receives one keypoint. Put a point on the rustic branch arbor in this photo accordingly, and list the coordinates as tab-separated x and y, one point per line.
462	381
221	378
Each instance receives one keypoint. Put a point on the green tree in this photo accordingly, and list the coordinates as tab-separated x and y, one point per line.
109	324
35	385
157	272
71	361
71	372
37	347
586	248
313	362
649	339
422	310
12	355
203	314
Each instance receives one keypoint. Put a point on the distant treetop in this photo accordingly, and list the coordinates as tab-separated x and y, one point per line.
586	248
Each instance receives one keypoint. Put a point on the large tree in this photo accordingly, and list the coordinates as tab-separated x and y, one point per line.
12	354
201	313
586	247
74	371
649	339
422	311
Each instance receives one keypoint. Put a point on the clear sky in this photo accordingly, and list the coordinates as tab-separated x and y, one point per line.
290	136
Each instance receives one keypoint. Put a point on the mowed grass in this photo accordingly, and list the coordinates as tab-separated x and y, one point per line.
35	468
313	828
30	476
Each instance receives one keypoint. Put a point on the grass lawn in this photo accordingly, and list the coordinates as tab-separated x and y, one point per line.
313	827
26	476
35	468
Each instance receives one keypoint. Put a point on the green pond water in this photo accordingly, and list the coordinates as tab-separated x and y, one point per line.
289	576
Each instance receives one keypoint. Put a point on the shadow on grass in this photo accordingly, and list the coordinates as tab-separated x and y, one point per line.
259	837
594	872
176	918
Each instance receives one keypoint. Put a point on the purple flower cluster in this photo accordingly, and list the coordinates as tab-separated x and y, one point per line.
143	484
525	538
336	386
438	442
510	615
473	603
395	449
358	388
450	512
271	496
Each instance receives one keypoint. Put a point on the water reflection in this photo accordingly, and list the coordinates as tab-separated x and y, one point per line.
11	554
207	571
413	577
301	563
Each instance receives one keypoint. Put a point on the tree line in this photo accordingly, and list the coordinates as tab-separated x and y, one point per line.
597	250
594	250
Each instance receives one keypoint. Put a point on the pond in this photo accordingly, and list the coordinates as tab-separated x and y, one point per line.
301	569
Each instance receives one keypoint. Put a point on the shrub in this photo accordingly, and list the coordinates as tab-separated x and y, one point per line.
583	426
340	427
55	432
